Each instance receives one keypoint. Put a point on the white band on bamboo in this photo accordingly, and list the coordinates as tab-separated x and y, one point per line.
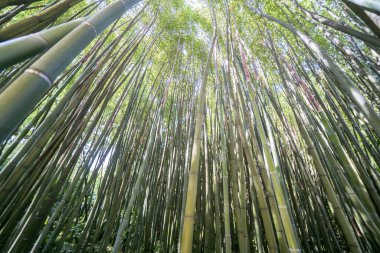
91	25
40	74
39	37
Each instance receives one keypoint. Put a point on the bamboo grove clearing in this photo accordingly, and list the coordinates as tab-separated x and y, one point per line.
189	126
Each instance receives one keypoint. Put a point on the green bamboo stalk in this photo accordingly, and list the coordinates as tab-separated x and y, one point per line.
218	240
344	83
369	5
9	15
5	3
42	18
291	234
142	170
19	49
363	216
29	88
237	210
350	169
94	174
359	13
335	205
188	224
258	185
226	201
373	40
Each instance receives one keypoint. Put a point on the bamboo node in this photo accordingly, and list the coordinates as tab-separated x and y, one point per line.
40	74
42	39
92	26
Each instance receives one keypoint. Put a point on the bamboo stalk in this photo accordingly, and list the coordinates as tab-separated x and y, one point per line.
36	80
16	50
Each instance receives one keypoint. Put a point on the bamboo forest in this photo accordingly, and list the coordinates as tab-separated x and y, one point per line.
189	126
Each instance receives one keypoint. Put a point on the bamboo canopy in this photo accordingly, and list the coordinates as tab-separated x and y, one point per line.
190	126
